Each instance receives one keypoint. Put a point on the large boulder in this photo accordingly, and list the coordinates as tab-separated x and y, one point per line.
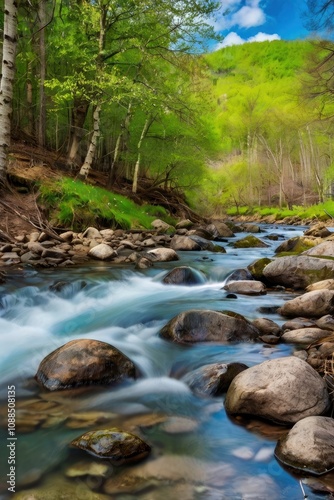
298	271
208	326
184	275
214	379
311	304
84	362
283	390
116	445
309	445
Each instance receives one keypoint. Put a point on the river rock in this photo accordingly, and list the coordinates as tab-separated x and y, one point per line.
92	233
184	224
321	285
297	323
220	229
184	275
118	446
250	241
324	249
164	254
194	243
309	445
169	469
84	362
102	252
310	304
267	326
214	379
298	244
318	230
246	287
298	271
326	322
304	335
283	390
256	268
251	228
239	275
160	225
208	326
56	487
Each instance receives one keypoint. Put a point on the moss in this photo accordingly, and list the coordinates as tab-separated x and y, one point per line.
256	268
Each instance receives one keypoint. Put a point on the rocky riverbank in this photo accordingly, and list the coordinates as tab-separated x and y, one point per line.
295	392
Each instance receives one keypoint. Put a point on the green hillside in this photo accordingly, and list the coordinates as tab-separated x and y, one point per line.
273	149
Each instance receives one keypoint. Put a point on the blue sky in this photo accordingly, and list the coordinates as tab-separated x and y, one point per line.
258	20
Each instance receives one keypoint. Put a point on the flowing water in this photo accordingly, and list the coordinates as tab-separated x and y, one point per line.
127	308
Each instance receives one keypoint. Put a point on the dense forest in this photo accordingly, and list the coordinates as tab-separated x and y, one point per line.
131	91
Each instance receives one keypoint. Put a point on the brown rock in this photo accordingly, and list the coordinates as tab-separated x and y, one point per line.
84	362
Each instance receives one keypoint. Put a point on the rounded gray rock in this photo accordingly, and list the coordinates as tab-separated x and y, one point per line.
282	390
309	445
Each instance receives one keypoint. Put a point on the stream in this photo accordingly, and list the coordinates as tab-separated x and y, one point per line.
127	308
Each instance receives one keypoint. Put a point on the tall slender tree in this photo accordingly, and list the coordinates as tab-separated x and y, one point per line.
7	82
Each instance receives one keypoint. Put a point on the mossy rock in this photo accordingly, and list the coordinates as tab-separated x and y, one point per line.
297	245
250	241
256	268
116	445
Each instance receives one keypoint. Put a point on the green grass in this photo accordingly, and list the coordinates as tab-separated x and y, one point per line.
76	205
319	211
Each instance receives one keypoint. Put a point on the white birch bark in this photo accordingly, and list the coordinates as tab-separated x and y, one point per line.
146	127
7	81
84	171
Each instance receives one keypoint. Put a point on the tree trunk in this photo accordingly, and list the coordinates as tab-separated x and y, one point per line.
7	81
79	113
87	165
42	73
124	130
146	127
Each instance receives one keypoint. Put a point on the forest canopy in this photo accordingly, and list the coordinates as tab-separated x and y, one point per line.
131	90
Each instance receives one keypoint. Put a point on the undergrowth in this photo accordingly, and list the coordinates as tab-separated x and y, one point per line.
321	211
76	205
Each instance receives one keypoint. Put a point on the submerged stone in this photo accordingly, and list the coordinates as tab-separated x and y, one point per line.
214	379
118	446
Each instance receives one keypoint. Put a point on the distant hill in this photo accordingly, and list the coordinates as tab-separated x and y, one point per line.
273	150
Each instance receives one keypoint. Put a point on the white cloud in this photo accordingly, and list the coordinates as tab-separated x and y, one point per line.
234	39
262	37
248	17
231	39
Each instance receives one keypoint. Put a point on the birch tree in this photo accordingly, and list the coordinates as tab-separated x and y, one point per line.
7	81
